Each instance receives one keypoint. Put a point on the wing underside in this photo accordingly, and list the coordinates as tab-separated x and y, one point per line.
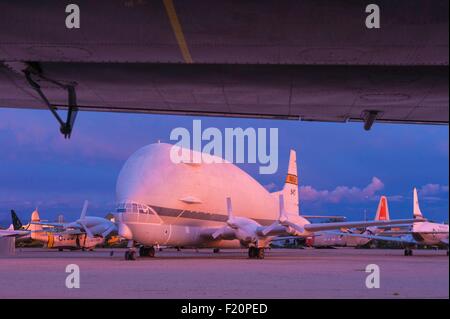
397	94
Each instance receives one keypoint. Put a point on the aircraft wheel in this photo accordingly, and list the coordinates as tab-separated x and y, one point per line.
252	252
147	251
260	253
60	249
130	255
216	250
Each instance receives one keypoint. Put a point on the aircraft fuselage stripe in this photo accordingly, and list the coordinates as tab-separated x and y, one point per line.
173	212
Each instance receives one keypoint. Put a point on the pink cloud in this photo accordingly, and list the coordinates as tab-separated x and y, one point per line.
342	193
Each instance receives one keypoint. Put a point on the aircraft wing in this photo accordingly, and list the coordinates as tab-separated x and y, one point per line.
324	217
383	238
334	226
75	231
397	233
57	225
213	64
400	227
13	233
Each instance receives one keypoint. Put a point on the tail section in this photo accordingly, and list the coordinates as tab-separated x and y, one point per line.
15	220
33	227
383	209
290	189
416	211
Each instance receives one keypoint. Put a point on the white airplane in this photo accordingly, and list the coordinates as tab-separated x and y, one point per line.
341	239
84	233
421	233
161	202
91	225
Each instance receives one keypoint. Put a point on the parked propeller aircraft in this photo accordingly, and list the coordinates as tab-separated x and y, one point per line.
208	205
421	233
333	239
91	225
84	233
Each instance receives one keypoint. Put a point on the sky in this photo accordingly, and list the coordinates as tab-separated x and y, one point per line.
343	170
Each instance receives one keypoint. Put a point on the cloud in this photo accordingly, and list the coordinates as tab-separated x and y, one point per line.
433	189
396	198
342	193
38	135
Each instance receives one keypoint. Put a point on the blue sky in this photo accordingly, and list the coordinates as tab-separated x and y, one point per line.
342	168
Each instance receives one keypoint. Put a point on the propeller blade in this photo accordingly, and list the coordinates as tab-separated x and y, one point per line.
230	220
282	212
86	229
269	228
109	230
281	217
229	208
84	210
219	232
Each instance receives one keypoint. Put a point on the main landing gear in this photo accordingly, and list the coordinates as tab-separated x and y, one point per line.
408	252
130	254
144	251
255	253
147	251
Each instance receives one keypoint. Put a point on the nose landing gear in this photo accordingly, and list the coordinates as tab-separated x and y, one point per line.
255	253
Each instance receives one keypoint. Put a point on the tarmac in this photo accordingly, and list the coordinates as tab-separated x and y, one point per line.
284	273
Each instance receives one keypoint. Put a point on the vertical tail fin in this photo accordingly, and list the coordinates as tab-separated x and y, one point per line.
416	211
15	220
33	227
290	189
383	209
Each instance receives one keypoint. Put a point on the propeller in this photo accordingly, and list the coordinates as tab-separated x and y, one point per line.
86	229
84	210
108	230
281	216
283	220
230	221
82	218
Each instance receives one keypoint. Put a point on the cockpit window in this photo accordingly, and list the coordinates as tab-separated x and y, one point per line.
133	208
